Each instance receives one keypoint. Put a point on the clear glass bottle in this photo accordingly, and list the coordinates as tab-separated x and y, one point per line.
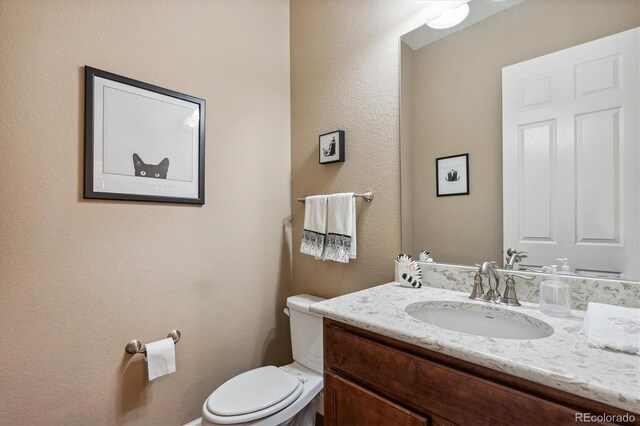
555	296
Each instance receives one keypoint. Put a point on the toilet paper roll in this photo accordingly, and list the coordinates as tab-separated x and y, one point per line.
161	358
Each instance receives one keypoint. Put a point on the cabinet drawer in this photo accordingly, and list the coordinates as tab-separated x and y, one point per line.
428	387
349	404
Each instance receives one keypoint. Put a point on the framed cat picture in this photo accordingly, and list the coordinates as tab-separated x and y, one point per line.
331	147
452	175
142	142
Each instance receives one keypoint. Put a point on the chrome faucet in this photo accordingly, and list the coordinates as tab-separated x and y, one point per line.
488	269
512	257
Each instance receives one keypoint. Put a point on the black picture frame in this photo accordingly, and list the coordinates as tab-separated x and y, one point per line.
330	149
458	171
123	186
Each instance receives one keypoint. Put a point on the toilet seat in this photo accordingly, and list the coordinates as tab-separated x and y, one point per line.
253	395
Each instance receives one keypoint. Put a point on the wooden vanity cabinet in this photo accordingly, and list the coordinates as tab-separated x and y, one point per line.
375	380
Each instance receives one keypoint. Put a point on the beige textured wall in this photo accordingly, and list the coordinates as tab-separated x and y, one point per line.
457	109
79	278
344	75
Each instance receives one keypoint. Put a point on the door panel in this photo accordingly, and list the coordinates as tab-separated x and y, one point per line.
598	182
536	164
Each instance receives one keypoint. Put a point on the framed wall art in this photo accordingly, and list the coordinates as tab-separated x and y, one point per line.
452	175
142	142
331	147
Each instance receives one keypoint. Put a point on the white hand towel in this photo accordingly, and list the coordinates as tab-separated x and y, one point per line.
315	225
341	228
161	357
613	327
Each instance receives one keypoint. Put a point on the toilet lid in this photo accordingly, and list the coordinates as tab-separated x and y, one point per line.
254	390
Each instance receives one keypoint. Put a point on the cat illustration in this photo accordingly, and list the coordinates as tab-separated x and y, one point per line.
452	176
158	171
332	148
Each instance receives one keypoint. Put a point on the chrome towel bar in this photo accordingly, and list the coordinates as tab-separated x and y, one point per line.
136	347
368	197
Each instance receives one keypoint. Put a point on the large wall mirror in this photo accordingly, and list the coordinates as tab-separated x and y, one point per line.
543	96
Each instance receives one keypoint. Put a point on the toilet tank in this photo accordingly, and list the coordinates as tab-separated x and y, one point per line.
306	331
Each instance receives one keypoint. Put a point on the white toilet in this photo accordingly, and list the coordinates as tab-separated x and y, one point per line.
276	395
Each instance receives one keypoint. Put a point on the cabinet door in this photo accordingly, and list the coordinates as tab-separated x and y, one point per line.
347	404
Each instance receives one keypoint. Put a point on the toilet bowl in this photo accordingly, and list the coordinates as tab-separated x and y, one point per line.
270	395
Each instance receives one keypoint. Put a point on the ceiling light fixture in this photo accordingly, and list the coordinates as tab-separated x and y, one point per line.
446	14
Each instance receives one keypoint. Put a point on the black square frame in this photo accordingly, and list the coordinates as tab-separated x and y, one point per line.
452	175
339	147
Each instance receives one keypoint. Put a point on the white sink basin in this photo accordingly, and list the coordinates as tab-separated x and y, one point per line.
488	321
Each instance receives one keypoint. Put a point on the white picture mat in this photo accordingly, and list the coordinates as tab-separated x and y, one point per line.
458	164
325	143
130	120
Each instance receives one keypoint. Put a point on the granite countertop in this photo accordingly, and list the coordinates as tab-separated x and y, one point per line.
563	361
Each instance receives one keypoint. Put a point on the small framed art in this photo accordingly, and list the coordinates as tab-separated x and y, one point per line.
452	175
331	147
142	142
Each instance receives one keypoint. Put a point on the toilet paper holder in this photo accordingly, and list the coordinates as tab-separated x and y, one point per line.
136	346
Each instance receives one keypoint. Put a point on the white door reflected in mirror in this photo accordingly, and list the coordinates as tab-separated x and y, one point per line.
571	154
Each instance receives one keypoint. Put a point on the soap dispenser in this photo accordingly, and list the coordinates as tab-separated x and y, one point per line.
565	269
555	296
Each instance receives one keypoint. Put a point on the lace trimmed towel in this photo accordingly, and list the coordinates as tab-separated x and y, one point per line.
613	327
315	225
340	245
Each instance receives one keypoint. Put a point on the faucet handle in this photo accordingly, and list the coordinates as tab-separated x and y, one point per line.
477	292
532	269
524	277
512	251
510	297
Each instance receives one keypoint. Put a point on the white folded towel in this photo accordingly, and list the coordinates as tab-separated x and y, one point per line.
613	327
340	244
315	225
